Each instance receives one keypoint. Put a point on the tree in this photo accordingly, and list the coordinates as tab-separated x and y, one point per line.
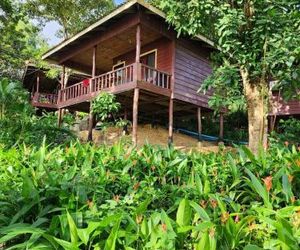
72	15
257	41
19	40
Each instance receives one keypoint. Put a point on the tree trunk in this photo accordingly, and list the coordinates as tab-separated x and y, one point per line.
256	98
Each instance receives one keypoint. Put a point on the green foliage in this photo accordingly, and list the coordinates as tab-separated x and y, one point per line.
83	197
19	40
71	15
259	36
105	106
19	124
288	132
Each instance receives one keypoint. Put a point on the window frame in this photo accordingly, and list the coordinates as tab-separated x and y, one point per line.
150	52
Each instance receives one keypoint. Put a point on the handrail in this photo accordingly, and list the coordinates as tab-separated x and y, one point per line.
127	74
155	76
45	98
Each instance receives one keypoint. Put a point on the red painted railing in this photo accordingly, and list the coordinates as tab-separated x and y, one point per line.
127	74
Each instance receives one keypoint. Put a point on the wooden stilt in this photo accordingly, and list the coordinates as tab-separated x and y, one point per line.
59	118
199	123
125	128
171	109
91	125
38	83
62	84
91	115
135	116
221	134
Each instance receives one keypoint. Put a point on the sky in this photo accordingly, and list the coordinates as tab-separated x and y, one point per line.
51	28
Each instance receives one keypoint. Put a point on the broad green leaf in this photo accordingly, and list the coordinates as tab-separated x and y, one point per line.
184	213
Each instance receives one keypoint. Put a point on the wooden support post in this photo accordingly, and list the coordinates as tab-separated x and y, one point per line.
199	123
221	134
91	115
59	118
38	83
125	128
171	110
135	116
138	44
62	84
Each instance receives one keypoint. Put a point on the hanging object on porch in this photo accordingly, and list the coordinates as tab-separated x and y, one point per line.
86	83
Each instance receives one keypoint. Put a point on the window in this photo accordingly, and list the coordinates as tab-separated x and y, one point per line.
149	58
119	74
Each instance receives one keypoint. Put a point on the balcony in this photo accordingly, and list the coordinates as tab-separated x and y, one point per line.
136	75
44	100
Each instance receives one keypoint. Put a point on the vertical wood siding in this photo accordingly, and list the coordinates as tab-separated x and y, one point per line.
164	54
192	67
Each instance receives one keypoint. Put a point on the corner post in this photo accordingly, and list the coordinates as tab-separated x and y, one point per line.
135	116
199	124
136	90
62	84
221	134
91	115
171	111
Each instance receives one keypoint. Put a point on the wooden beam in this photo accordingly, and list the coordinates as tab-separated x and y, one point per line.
135	116
221	134
171	109
199	123
117	28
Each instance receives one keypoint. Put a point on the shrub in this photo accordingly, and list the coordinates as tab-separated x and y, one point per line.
84	197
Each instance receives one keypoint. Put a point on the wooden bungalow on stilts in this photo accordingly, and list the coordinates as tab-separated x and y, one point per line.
136	55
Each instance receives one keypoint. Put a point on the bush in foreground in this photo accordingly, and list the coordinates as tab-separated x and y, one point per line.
83	197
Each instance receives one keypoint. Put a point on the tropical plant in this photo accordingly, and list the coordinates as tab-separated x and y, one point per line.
255	41
84	197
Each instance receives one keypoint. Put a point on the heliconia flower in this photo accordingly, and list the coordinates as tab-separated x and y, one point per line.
164	227
290	178
203	203
286	143
268	182
90	203
116	198
152	168
298	163
213	203
212	232
139	219
293	199
237	218
136	185
224	217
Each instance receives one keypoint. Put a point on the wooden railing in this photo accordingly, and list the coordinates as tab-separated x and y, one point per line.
113	78
157	77
45	98
127	74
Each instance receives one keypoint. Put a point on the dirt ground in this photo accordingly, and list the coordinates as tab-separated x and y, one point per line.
153	136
